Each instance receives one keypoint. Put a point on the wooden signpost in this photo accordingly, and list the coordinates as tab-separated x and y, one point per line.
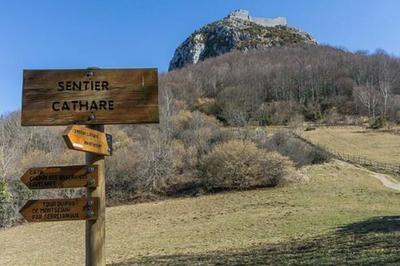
91	97
50	210
88	140
61	177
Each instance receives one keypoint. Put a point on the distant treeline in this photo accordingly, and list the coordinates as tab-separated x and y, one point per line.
280	84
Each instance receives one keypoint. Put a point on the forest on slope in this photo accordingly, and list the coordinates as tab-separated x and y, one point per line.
279	85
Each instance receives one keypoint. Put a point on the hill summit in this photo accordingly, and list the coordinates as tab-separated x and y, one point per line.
240	31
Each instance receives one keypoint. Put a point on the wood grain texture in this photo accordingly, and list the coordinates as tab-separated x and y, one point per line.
74	176
131	97
50	210
84	139
95	234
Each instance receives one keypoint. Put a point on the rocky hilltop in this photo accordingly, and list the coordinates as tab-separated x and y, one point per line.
238	31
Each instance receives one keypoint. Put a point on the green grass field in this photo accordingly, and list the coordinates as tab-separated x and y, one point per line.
373	145
340	215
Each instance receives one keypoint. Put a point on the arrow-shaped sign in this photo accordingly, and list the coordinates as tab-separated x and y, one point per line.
81	138
61	177
60	210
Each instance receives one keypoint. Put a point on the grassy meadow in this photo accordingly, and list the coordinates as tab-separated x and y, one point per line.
340	214
378	146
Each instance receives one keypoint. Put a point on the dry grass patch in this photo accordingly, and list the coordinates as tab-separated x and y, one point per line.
374	145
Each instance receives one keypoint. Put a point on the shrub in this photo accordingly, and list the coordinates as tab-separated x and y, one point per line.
197	129
378	123
297	150
7	210
279	113
240	165
208	106
8	214
258	135
122	172
148	166
237	105
161	161
332	117
264	119
309	128
296	121
312	112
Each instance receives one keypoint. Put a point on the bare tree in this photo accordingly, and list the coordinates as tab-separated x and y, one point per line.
9	148
385	82
367	95
166	104
385	90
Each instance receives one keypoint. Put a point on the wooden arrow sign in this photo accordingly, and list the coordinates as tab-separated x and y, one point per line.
61	177
60	210
81	138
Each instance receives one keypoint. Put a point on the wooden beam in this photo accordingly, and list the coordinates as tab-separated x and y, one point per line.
95	229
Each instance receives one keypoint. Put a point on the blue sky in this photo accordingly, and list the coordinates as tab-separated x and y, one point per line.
78	34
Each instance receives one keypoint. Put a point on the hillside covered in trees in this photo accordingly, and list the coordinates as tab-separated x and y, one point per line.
280	85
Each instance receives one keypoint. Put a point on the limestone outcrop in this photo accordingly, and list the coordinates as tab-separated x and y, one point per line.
240	31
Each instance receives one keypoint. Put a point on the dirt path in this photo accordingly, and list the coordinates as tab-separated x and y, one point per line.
386	180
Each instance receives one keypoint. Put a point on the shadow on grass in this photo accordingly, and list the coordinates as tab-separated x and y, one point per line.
385	224
372	242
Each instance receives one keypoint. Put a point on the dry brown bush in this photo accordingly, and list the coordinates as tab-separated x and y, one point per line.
297	150
279	113
258	135
197	130
121	172
208	106
150	164
240	165
8	208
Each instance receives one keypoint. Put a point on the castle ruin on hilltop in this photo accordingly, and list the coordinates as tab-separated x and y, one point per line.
266	22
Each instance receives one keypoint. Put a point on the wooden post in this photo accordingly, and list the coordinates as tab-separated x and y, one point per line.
95	229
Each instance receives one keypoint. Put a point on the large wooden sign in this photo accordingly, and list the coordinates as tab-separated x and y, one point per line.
89	96
81	138
61	177
60	210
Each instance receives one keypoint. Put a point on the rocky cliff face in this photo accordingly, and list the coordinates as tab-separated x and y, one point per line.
238	31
